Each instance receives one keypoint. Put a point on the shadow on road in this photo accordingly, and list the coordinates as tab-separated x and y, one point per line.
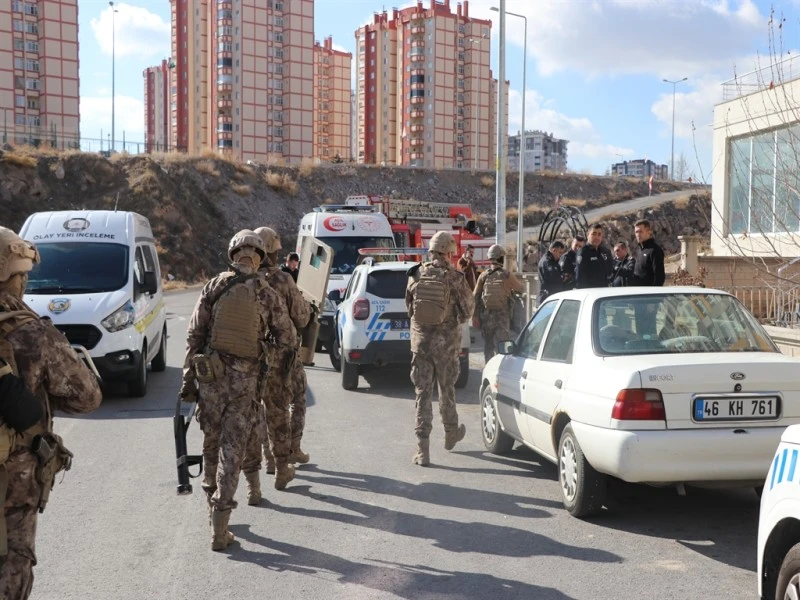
525	461
404	581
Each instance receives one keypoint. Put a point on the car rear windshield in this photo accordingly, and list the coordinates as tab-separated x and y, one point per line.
677	323
387	284
79	268
345	250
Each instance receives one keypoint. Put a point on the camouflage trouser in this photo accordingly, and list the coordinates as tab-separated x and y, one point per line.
428	371
298	404
273	433
22	498
495	328
227	417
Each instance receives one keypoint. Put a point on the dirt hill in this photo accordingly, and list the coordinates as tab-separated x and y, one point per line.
195	203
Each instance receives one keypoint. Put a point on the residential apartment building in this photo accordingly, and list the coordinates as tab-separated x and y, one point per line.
424	91
543	152
641	167
332	96
244	77
39	87
157	85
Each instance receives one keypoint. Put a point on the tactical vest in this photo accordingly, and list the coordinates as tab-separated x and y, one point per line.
431	296
494	296
236	322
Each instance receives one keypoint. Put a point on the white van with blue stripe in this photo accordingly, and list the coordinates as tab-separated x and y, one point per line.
372	323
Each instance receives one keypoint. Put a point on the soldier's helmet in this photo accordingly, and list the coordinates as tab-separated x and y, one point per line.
271	239
442	242
246	238
16	254
495	252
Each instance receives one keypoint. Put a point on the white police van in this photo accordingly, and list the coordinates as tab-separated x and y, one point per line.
346	229
100	283
372	323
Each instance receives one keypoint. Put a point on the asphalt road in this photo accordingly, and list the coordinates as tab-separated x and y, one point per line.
360	521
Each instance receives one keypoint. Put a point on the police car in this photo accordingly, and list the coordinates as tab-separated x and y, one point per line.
779	522
372	323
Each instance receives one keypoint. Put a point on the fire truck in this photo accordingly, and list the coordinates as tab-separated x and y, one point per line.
414	222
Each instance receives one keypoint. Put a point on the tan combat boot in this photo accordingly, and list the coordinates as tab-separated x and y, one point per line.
270	465
298	456
221	538
253	488
451	438
283	475
422	457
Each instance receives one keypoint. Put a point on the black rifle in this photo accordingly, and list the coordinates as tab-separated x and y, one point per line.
184	459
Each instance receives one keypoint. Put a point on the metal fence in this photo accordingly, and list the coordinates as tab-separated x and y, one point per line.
778	306
773	74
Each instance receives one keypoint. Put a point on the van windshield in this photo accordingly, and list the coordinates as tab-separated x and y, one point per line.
345	251
79	268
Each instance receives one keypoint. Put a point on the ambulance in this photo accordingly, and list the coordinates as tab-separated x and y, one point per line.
346	229
99	282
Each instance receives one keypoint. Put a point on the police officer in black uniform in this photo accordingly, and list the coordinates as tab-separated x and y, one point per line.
567	262
622	273
551	280
649	256
593	262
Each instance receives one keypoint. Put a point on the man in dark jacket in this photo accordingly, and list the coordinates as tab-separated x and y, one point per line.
567	262
593	263
649	269
622	273
551	280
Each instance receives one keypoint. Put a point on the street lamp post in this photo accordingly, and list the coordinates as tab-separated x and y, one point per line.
113	78
500	167
521	200
672	153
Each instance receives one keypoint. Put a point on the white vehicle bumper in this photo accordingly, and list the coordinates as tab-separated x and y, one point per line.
673	456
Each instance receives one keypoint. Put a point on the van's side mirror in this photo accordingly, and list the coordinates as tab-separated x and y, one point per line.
507	347
150	285
335	296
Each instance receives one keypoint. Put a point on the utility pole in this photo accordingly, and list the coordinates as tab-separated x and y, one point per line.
113	79
500	167
672	153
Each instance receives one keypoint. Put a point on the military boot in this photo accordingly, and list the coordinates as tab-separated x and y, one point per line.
270	465
253	488
284	473
221	538
298	456
451	438
422	457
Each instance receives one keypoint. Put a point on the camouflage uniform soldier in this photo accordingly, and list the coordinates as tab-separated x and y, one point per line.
439	301
280	437
226	361
41	373
492	301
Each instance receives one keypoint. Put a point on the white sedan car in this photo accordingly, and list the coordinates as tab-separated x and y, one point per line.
661	386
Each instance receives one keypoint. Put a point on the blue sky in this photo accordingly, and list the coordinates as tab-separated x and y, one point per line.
595	67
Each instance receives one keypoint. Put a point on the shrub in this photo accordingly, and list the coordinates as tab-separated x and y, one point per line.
281	181
20	160
241	189
207	167
307	167
487	181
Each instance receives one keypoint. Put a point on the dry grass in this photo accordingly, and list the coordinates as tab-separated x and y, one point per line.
20	160
209	153
487	181
576	202
241	189
281	182
307	167
682	202
207	167
275	160
242	168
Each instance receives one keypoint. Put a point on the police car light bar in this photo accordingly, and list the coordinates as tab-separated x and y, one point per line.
391	251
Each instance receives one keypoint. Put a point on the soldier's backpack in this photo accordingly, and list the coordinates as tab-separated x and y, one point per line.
236	320
494	296
431	297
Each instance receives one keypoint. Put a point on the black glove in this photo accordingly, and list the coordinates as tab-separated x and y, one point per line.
19	408
188	391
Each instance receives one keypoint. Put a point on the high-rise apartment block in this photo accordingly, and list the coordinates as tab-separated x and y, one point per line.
543	152
157	85
39	88
641	167
331	102
424	92
244	80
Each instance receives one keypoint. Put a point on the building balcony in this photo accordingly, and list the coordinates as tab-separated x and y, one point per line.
417	100
416	128
224	134
417	29
417	86
417	58
416	142
417	114
417	72
418	44
224	103
417	156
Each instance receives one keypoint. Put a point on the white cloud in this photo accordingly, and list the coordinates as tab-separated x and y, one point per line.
585	142
670	38
96	116
138	32
694	106
339	48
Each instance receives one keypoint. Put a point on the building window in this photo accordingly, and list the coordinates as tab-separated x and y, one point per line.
33	121
16	6
32	47
19	44
19	25
32	28
19	101
19	63
19	119
33	103
32	84
279	37
278	21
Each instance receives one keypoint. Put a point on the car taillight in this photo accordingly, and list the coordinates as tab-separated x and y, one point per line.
361	309
639	405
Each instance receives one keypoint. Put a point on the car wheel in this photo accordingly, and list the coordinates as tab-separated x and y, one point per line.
159	363
495	439
349	375
463	373
137	387
583	490
335	352
788	587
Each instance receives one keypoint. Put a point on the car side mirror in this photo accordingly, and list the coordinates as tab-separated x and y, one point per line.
150	285
335	296
507	347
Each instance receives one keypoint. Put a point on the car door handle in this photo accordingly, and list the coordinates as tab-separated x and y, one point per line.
524	374
558	383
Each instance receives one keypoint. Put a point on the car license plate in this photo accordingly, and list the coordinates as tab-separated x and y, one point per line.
759	408
400	323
